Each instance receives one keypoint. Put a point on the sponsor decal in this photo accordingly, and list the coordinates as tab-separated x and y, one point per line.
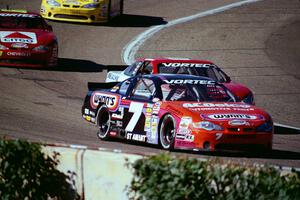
18	37
156	108
136	137
17	15
92	114
186	65
118	115
75	2
19	45
189	81
112	133
111	101
232	116
147	123
88	118
154	125
215	105
148	110
182	132
185	122
24	54
237	122
218	136
113	76
114	89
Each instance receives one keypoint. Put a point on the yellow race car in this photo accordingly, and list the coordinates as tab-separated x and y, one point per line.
87	11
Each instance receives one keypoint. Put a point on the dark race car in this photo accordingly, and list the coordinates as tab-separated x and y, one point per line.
176	111
182	66
26	40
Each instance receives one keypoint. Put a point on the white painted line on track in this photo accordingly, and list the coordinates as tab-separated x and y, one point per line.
286	126
129	51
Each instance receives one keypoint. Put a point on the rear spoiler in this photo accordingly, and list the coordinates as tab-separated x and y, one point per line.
95	85
116	67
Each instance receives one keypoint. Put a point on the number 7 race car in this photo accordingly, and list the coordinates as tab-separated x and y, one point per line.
26	40
182	66
86	11
176	112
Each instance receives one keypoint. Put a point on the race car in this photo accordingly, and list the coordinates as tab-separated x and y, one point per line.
176	112
26	40
182	66
85	11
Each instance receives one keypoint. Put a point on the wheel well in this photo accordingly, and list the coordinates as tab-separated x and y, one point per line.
97	111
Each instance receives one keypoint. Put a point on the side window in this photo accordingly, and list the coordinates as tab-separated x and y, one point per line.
144	90
146	68
124	87
211	74
132	69
223	76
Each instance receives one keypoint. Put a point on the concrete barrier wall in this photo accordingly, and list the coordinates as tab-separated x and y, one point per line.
97	174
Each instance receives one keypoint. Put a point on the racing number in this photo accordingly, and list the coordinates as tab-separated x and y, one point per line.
135	108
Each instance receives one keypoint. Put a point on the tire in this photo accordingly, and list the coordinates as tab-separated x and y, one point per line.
108	11
53	60
167	132
103	123
121	7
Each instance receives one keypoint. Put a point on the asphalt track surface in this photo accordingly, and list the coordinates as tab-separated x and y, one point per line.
256	44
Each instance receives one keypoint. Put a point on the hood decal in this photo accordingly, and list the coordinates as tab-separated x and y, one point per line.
232	116
18	37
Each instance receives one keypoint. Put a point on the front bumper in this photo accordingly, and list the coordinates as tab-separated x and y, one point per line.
76	14
25	58
218	140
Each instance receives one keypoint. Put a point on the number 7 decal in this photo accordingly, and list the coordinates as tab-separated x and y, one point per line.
135	108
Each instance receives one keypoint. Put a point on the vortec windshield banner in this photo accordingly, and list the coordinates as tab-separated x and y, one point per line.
186	65
18	37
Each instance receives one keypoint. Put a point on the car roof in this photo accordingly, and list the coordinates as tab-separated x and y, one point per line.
173	60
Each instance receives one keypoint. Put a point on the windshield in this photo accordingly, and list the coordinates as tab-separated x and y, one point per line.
197	69
13	22
196	92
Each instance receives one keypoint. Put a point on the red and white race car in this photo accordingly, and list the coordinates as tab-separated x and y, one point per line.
182	66
26	40
177	112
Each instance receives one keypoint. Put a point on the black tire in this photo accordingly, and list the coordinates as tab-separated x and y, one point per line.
121	7
108	11
53	61
103	123
167	132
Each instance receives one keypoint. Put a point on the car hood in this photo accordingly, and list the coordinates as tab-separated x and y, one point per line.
217	111
77	2
25	38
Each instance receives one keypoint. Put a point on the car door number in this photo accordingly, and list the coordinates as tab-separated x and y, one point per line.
137	109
